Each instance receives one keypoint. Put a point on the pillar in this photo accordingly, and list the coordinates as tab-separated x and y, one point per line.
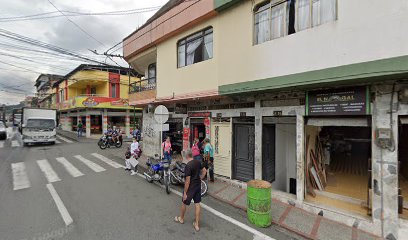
258	140
88	124
127	124
300	154
105	120
385	166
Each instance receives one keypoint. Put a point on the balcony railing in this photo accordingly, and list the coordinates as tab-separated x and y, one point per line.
143	85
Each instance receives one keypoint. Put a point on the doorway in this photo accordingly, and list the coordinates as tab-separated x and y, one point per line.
268	152
244	152
403	168
197	130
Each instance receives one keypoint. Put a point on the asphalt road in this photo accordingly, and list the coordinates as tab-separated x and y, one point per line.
51	192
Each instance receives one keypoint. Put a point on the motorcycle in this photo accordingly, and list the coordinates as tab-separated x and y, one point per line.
106	141
158	170
177	177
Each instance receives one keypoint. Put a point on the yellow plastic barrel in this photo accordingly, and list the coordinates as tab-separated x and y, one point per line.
259	203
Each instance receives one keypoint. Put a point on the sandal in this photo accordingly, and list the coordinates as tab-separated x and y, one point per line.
196	228
178	220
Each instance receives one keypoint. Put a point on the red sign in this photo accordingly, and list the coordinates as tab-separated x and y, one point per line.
186	136
199	114
207	122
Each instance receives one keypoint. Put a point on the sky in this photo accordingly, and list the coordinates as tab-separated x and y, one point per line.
19	68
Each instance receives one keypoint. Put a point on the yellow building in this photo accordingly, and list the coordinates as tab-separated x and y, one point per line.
97	96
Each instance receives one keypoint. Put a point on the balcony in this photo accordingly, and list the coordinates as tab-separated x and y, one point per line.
142	92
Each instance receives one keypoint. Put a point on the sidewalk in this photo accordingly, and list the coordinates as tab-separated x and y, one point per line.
73	136
290	217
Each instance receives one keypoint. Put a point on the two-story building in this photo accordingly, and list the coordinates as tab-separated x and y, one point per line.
45	92
98	97
310	95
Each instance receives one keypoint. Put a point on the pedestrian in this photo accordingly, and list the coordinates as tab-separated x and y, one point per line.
131	156
166	149
136	133
195	149
194	172
209	157
79	128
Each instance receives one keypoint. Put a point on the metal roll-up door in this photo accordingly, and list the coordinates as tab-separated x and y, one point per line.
244	152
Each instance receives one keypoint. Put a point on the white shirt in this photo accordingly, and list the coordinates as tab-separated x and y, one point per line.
133	147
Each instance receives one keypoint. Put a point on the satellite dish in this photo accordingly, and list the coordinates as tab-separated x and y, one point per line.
161	114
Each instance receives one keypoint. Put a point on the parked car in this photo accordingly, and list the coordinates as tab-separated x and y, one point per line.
3	131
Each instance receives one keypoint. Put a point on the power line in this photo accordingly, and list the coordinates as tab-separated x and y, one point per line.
80	28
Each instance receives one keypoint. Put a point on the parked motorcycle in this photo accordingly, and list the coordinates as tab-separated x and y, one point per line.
106	141
177	177
158	170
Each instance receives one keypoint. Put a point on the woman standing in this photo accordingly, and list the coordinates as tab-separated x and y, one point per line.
196	150
209	157
166	149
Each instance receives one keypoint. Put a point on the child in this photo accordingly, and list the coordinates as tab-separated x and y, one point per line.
131	155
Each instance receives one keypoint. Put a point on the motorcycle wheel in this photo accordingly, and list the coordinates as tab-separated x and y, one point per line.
118	144
102	145
150	173
204	188
167	184
173	180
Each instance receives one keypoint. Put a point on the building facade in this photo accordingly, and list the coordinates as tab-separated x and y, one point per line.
98	97
309	95
44	88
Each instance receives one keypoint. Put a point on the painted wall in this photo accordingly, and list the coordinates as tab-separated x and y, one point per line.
198	78
377	32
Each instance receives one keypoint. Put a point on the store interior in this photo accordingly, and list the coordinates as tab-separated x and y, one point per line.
338	167
403	171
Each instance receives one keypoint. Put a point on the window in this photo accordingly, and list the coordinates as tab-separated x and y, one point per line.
278	18
151	73
93	90
195	48
62	96
113	90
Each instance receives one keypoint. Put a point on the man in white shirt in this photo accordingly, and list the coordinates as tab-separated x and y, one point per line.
134	151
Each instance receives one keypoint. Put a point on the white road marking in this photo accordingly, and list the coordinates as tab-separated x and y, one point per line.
69	167
1	144
64	139
48	171
90	164
15	143
60	205
257	234
56	141
107	161
20	178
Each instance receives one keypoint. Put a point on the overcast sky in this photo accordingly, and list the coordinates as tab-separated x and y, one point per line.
16	83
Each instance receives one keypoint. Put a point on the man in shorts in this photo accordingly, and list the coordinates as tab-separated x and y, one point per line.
194	172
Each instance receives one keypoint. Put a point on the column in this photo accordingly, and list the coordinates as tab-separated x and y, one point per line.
300	162
127	124
258	140
88	124
105	120
385	167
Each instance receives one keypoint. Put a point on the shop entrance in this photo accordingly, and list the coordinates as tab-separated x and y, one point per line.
403	168
175	133
338	163
244	151
96	124
197	129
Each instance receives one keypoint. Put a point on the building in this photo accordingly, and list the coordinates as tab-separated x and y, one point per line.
309	95
97	96
44	88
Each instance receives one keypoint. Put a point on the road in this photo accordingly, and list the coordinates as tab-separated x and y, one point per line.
66	191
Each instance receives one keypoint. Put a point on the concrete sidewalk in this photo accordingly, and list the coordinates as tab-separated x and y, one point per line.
95	137
290	217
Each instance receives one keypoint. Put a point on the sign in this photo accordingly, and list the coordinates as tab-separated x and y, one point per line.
180	108
242	114
186	137
162	127
207	122
161	114
277	113
199	114
345	101
219	115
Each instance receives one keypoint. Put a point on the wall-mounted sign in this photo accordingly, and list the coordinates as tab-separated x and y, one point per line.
345	101
180	108
219	115
199	114
242	114
277	113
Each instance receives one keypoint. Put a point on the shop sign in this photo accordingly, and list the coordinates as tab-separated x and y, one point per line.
277	113
242	114
180	108
199	114
186	137
345	101
101	102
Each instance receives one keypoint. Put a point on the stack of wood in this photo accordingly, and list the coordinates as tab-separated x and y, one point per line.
315	166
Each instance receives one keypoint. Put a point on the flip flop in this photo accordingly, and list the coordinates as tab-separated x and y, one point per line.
177	219
196	228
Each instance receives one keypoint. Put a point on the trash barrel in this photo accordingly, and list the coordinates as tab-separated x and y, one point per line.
259	203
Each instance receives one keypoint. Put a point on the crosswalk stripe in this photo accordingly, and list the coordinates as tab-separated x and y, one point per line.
49	173
1	144
107	161
90	164
15	143
69	167
64	139
20	178
56	141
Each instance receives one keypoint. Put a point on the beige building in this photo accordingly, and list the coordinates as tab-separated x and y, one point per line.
299	93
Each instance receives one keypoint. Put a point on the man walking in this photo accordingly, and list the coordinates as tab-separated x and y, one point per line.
79	128
194	171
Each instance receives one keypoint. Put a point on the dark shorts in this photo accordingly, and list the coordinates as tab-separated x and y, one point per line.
193	194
